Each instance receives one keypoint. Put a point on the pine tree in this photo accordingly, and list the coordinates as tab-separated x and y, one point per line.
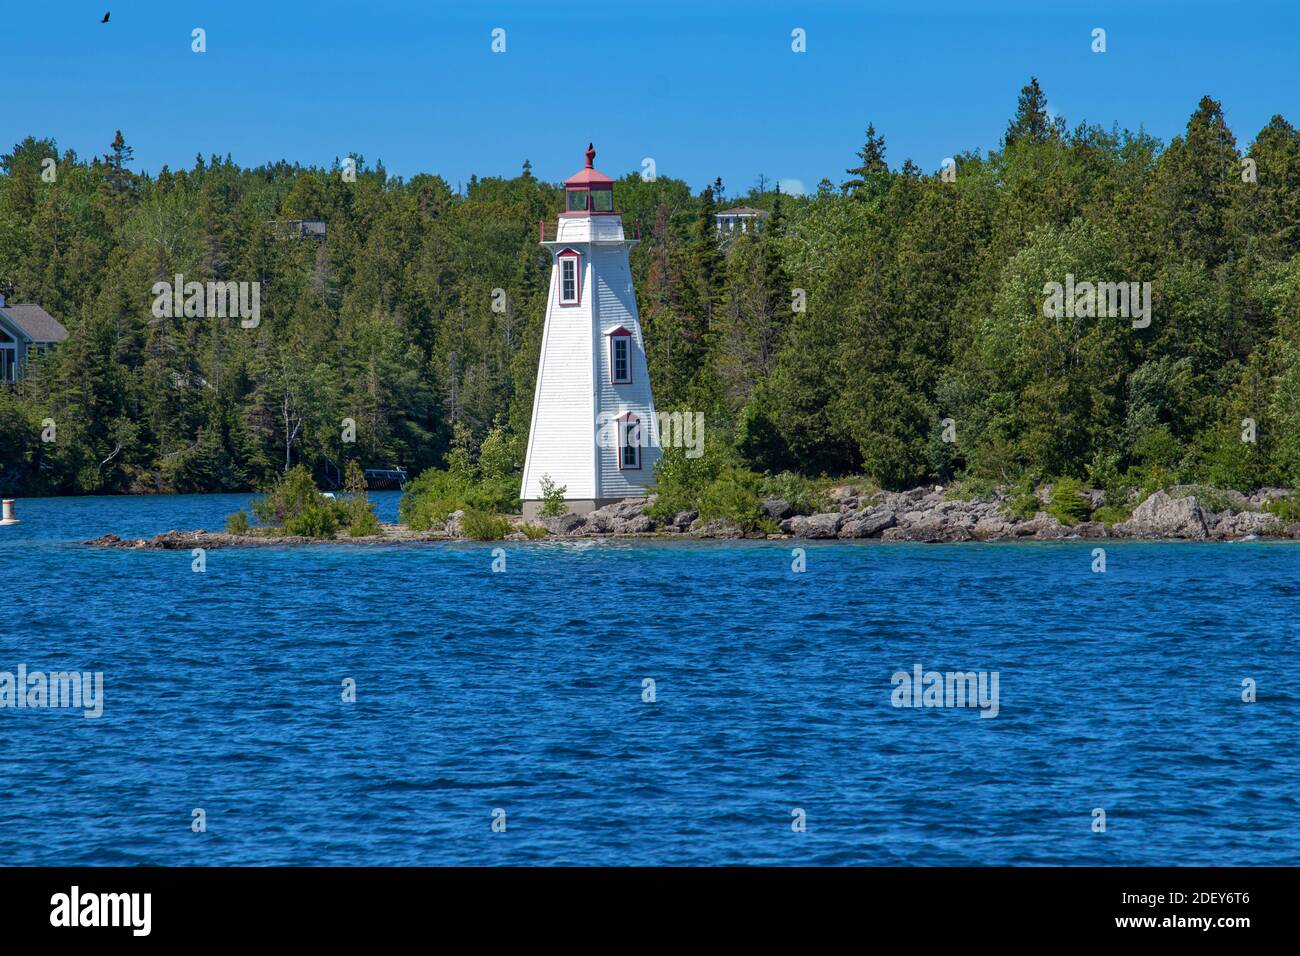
871	164
119	179
1030	124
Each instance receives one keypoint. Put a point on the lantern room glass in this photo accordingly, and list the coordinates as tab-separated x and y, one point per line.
577	200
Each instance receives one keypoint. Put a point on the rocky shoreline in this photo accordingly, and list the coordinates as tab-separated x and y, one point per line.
920	515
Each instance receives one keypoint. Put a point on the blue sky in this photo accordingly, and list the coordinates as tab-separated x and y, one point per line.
704	88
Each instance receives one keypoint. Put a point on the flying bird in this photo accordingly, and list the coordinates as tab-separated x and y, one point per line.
105	20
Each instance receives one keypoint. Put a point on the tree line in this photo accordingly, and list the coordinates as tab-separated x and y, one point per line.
891	324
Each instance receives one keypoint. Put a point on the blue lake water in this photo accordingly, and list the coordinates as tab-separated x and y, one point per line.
522	690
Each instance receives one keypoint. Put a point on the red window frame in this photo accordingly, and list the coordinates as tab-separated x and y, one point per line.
624	336
623	422
569	255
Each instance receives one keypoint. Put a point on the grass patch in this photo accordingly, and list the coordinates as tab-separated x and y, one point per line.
483	525
1111	514
971	489
1286	508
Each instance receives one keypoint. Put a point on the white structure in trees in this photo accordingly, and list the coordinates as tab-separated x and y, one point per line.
593	429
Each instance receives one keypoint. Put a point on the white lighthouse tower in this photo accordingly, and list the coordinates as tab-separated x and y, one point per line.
593	430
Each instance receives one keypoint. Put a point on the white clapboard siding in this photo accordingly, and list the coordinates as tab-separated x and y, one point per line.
561	441
616	306
574	388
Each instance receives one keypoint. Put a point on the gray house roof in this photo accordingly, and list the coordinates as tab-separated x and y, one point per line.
35	323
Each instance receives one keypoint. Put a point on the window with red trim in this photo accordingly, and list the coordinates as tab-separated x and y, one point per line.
577	200
620	358
629	443
570	278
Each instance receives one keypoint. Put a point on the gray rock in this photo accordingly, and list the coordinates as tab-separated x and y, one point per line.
639	524
1042	527
867	525
600	521
992	525
813	526
931	529
777	508
841	493
717	528
1090	529
1163	517
451	526
565	524
1248	522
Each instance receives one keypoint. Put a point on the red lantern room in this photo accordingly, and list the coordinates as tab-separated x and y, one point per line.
589	192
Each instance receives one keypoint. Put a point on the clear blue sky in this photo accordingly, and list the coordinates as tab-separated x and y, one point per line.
706	88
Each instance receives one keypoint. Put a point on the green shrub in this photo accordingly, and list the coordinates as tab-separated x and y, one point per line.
734	496
1287	508
435	494
483	526
1111	514
680	481
496	458
314	521
362	522
293	506
1212	499
1066	505
1024	503
354	479
1151	480
1103	473
553	503
799	492
238	523
534	531
970	488
293	493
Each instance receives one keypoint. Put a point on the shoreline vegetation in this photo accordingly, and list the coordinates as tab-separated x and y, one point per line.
447	507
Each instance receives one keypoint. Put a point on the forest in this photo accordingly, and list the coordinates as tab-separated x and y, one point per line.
890	325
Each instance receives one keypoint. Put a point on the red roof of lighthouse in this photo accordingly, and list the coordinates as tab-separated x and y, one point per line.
589	175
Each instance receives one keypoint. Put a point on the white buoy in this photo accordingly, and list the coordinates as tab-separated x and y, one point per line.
7	514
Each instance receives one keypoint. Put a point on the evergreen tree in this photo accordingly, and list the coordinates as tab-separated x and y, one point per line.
871	166
1030	124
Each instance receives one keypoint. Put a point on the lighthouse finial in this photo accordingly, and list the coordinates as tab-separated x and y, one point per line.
591	155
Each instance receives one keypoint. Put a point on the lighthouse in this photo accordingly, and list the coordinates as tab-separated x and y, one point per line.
593	430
